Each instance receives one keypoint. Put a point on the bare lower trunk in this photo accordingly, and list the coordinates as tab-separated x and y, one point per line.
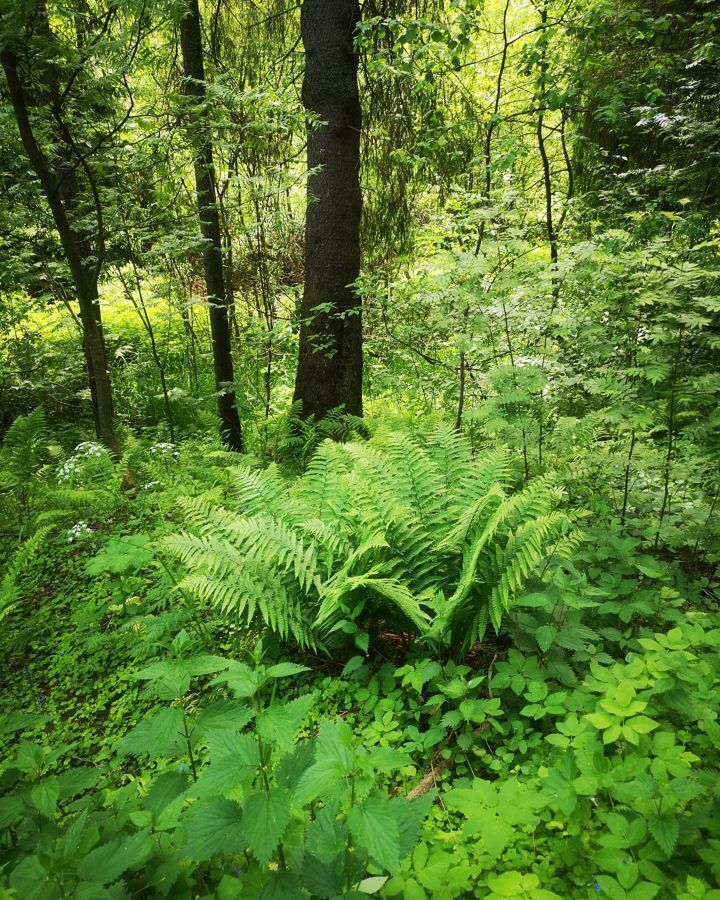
329	372
194	70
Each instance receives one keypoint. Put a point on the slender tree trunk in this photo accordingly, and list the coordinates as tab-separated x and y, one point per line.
75	246
329	372
205	187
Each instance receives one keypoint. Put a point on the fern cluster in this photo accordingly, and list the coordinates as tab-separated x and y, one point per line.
395	532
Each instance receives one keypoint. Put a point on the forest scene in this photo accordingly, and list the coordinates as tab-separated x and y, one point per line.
360	449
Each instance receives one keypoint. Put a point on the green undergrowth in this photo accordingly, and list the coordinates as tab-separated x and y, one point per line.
158	743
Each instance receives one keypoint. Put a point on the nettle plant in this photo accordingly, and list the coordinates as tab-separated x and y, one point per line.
235	796
395	533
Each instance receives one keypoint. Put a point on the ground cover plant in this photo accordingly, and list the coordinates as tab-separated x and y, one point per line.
359	449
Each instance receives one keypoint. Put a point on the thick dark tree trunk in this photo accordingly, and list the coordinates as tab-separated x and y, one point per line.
59	189
329	372
194	69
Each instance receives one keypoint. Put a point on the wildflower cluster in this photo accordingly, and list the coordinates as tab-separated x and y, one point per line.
165	450
87	450
78	531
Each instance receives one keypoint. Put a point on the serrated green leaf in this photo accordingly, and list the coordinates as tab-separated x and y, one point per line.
45	796
280	723
160	735
265	818
285	670
214	827
373	824
545	636
107	862
665	830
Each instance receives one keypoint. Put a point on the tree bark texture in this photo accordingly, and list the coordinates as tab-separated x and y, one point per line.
330	363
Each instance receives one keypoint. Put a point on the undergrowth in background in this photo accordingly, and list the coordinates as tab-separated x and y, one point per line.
403	672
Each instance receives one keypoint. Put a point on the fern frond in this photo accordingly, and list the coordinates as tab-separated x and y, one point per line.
9	588
389	588
258	490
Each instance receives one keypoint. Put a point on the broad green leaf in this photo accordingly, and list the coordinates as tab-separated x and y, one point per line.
107	862
265	818
166	788
77	781
373	824
293	765
327	834
45	795
230	714
321	879
334	762
282	886
11	809
285	670
545	635
280	723
241	679
372	885
665	829
214	827
160	735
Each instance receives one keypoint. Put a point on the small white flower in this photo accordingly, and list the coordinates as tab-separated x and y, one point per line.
78	531
165	450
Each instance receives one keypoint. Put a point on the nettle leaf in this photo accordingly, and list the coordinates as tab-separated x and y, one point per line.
107	863
77	781
29	879
234	758
285	670
215	827
279	723
334	762
545	636
293	765
160	735
45	796
89	891
373	824
410	815
207	664
243	681
265	818
327	835
168	787
11	809
322	879
241	748
282	885
665	830
230	714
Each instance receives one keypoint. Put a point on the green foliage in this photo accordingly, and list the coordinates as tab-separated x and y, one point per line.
308	814
458	692
375	533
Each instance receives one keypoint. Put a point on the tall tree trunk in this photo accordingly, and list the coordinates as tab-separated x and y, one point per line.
200	135
329	372
59	189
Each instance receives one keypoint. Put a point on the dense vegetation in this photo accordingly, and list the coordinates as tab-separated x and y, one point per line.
360	449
